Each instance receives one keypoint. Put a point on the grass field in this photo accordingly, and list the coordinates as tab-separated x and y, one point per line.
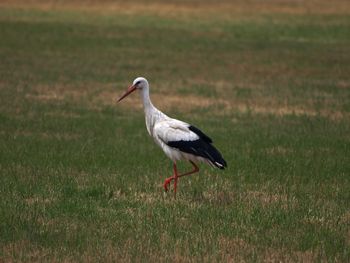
81	180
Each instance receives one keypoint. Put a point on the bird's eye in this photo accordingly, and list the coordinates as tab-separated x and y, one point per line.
137	83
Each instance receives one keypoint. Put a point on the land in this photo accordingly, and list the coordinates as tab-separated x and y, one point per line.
81	180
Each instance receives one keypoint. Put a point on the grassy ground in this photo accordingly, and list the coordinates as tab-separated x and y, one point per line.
267	80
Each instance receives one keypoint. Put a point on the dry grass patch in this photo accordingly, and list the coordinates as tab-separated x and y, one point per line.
235	250
174	8
221	198
96	97
220	106
238	250
42	135
279	150
281	255
277	109
147	197
186	103
24	251
107	253
39	200
63	114
58	92
267	199
46	135
255	104
346	218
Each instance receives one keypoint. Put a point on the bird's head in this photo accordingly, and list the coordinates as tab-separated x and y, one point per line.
138	84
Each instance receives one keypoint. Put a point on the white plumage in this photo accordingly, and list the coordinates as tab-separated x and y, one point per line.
179	140
173	130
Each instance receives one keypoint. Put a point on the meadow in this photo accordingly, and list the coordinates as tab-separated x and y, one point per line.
81	180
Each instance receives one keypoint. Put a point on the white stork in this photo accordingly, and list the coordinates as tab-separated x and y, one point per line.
179	140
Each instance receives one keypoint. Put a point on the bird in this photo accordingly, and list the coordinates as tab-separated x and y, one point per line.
179	140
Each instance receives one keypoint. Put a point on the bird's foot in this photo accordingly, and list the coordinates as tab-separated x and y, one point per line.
167	182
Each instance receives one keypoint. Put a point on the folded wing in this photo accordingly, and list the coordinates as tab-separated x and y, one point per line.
190	140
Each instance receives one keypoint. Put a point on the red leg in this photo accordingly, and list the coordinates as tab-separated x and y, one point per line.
176	176
195	170
168	180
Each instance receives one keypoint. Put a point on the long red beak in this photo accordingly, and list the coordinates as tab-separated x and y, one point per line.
131	89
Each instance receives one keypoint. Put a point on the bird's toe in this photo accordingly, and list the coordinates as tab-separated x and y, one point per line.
166	183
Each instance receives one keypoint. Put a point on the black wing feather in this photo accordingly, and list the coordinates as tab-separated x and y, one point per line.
202	148
201	134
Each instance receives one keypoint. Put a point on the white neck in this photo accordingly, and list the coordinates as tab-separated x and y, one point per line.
146	100
152	114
